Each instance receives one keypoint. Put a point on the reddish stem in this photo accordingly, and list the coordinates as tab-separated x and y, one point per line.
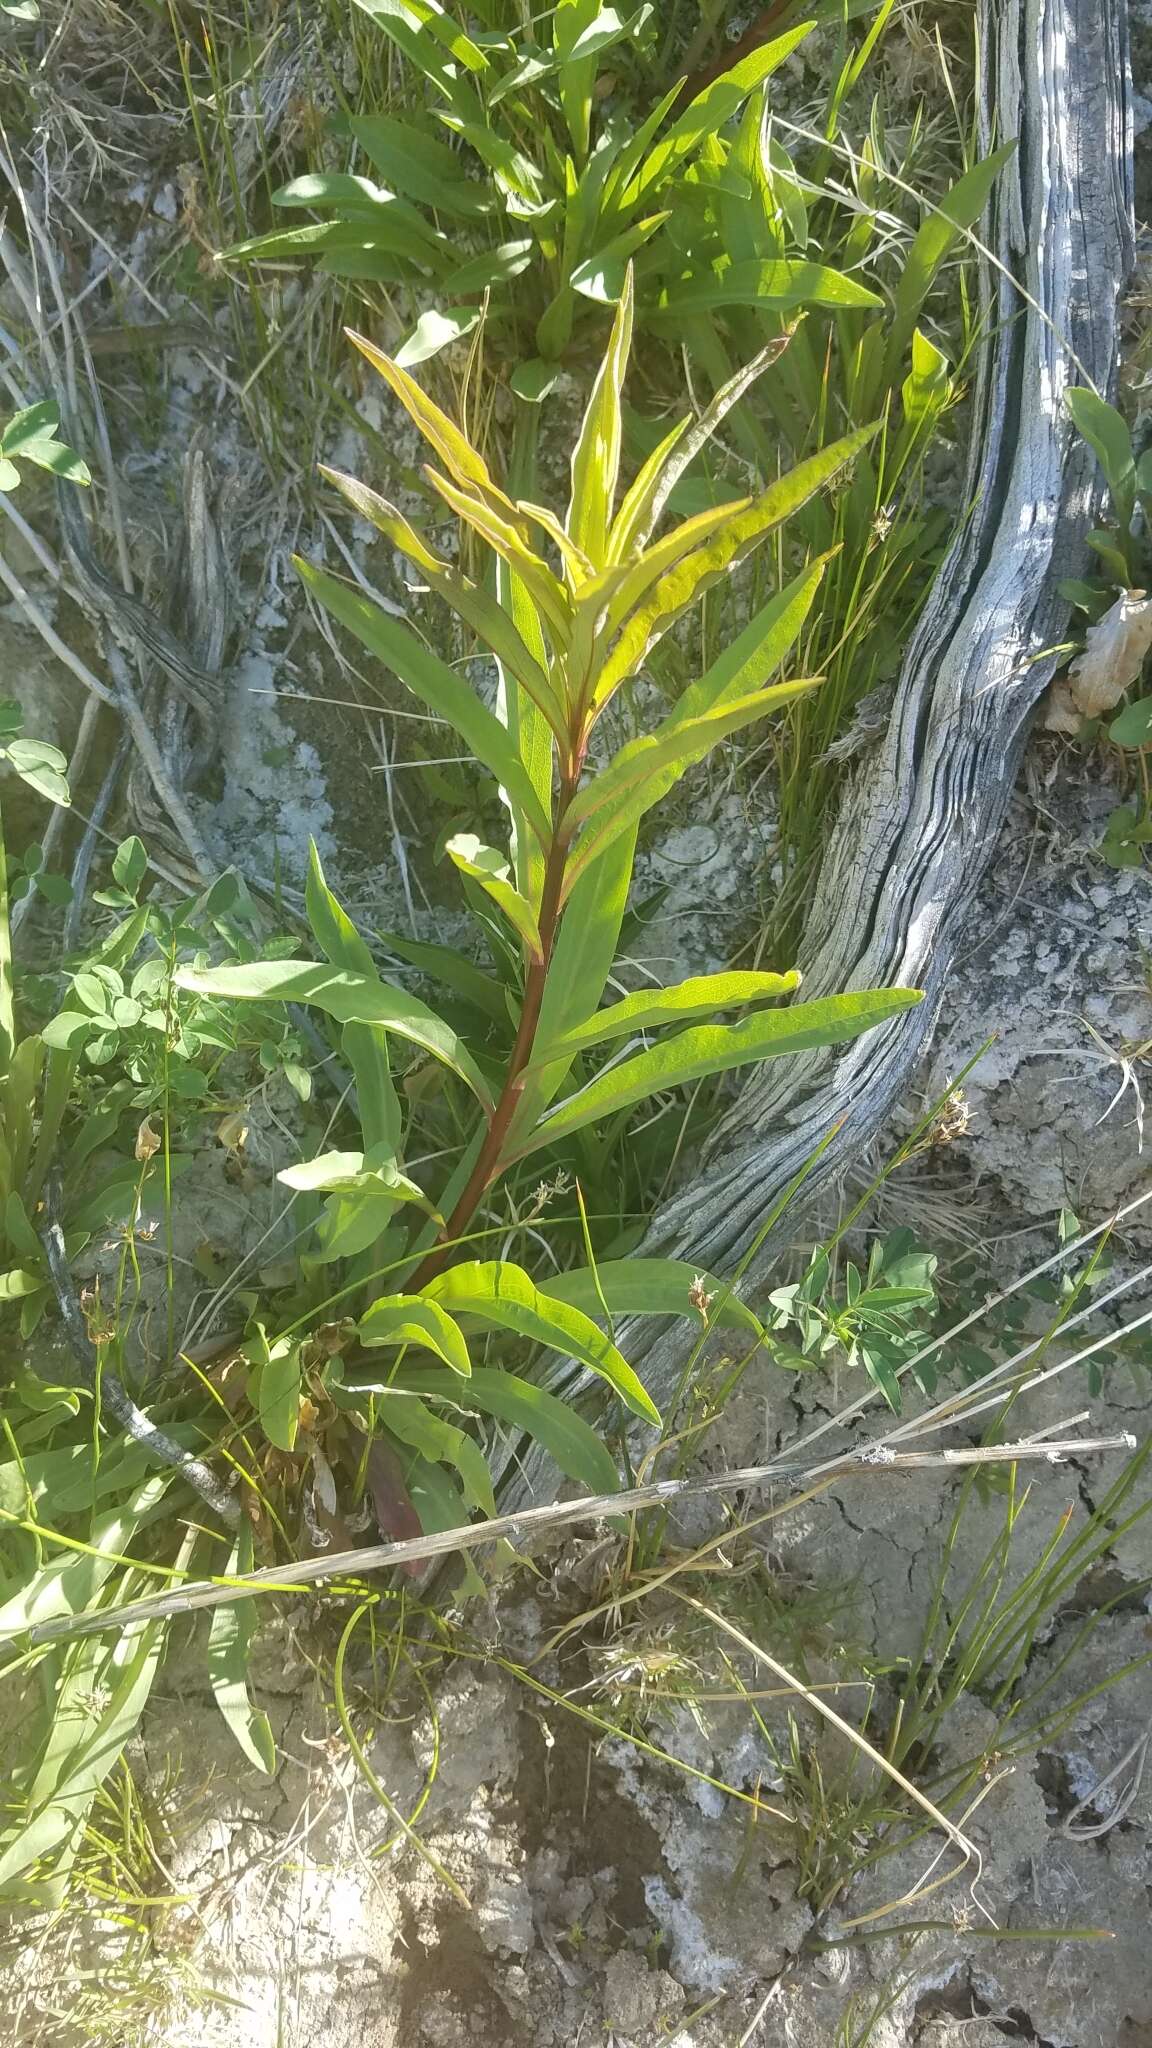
489	1158
761	29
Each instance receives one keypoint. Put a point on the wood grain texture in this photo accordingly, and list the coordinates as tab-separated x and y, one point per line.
918	821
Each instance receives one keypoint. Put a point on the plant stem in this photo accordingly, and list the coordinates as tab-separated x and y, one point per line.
489	1158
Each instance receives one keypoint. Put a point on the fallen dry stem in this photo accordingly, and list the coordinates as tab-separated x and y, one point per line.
218	1592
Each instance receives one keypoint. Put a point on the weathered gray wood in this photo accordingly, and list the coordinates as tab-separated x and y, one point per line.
919	820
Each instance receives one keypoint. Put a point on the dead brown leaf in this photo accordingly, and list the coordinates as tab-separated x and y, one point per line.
147	1142
1111	662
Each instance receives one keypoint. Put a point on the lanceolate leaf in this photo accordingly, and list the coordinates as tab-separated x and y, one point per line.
427	169
756	653
402	1319
454	449
529	730
505	538
958	211
635	510
699	997
646	769
712	108
433	682
777	285
345	1173
683	585
477	607
228	1640
365	1046
384	232
601	276
490	870
495	266
454	970
656	1287
625	586
714	1048
350	998
576	1448
596	458
429	40
581	959
501	1293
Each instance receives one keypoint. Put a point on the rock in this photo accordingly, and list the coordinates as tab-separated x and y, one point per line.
1055	1117
638	2000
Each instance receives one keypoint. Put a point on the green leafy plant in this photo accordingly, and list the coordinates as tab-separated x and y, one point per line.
1113	597
741	242
584	602
30	435
41	766
34	1081
567	195
1119	548
874	1318
124	1015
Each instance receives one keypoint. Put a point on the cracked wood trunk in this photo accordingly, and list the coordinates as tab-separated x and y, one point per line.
919	819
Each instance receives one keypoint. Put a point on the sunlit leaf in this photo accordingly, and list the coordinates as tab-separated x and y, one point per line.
712	108
646	769
779	285
228	1640
595	459
501	1293
715	1048
489	870
700	996
350	998
476	606
276	1394
400	1319
663	1287
436	329
748	529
